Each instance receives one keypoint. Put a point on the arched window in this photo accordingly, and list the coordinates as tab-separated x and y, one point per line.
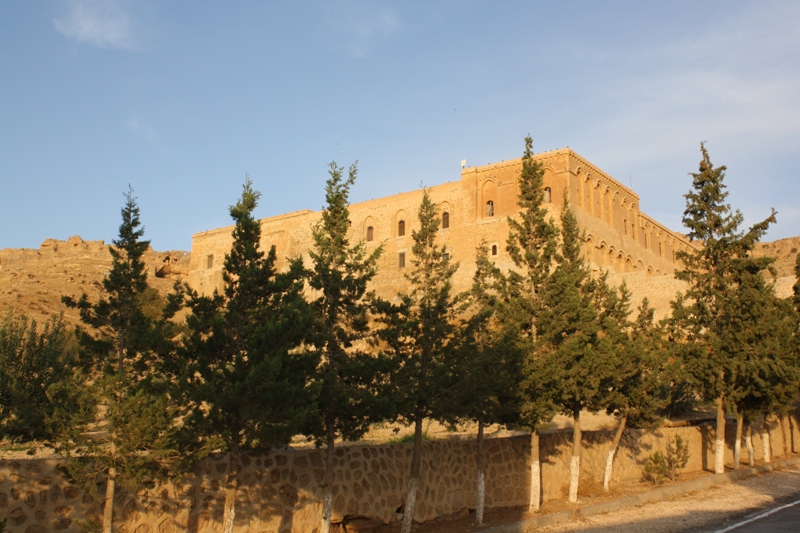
401	228
548	195
445	220
494	249
490	208
370	234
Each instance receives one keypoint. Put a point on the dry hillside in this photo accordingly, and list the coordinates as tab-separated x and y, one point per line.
33	281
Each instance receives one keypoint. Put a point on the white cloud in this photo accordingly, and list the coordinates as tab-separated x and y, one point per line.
144	130
101	23
364	24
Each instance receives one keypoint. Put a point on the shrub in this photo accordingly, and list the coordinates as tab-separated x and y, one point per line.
661	466
408	437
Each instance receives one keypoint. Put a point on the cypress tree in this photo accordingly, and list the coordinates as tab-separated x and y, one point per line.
569	344
419	336
709	270
349	377
532	245
245	378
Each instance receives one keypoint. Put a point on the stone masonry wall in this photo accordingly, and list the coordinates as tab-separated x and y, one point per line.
279	491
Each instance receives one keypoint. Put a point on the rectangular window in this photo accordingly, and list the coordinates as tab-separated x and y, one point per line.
401	260
210	261
446	255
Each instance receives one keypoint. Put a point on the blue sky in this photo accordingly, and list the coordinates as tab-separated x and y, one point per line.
181	99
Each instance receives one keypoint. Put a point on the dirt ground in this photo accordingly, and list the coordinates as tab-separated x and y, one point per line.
465	522
703	510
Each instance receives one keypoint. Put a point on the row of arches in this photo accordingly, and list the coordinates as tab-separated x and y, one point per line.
618	260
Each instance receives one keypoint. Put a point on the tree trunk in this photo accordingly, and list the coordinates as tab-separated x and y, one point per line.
792	428
108	506
413	479
737	445
719	449
327	497
765	444
575	462
481	477
782	420
613	451
748	441
536	473
231	484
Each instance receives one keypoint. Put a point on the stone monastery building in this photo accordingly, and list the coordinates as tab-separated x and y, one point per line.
619	237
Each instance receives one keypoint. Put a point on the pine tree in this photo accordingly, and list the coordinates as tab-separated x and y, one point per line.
764	371
637	393
485	373
349	377
245	377
709	271
532	245
418	335
569	347
115	422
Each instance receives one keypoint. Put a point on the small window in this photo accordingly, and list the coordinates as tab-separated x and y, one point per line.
490	208
210	261
401	228
494	249
445	220
446	256
660	249
401	260
548	195
625	225
370	234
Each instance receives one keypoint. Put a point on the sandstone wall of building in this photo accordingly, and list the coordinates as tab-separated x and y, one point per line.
280	491
620	238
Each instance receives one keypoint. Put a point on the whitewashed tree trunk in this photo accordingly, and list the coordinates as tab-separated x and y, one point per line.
784	436
413	478
481	498
327	497
612	452
748	441
575	462
481	476
765	444
327	505
108	508
229	512
719	449
411	498
536	474
737	445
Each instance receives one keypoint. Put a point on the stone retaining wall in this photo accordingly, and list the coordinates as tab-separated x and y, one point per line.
279	492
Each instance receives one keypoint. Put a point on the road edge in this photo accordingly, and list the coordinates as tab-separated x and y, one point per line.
658	494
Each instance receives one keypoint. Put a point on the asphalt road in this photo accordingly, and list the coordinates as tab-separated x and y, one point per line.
782	518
